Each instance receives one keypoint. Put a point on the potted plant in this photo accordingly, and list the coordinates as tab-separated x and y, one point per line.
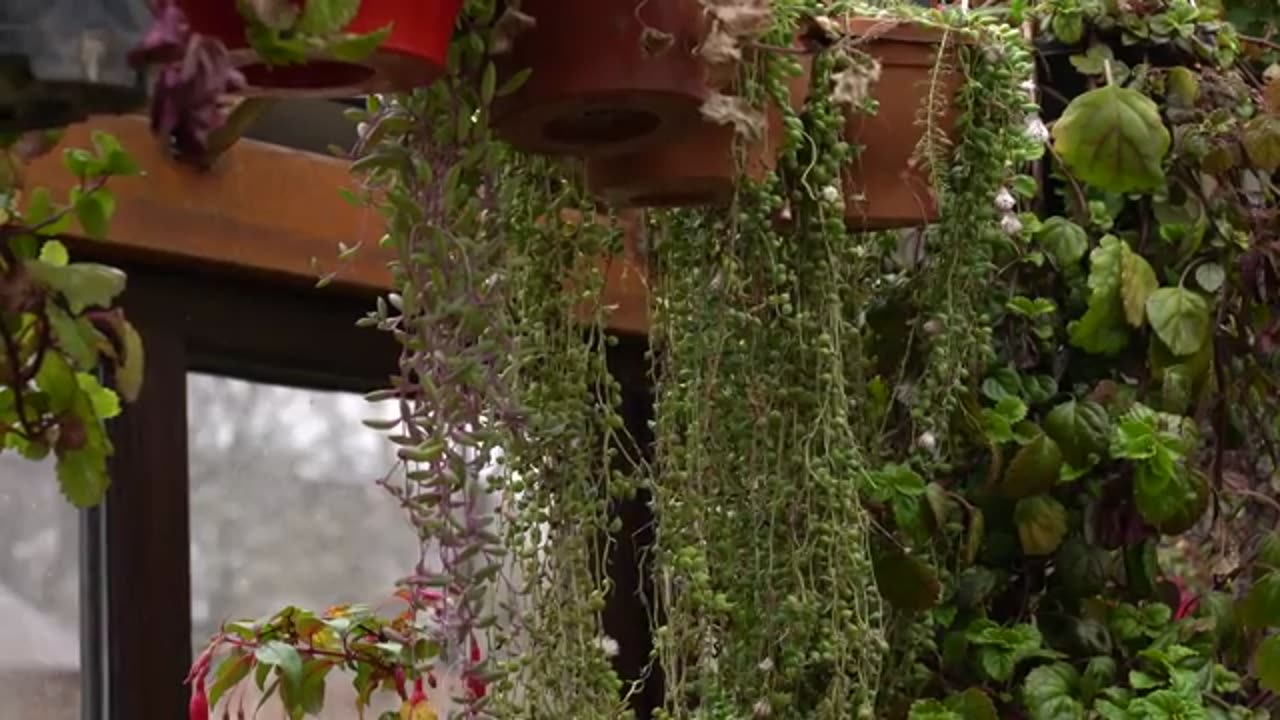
599	76
62	63
899	93
701	166
328	49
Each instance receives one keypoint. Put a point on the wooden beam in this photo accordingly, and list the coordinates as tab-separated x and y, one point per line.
266	210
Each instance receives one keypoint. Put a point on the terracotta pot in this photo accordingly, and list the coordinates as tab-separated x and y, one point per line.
600	83
883	190
698	167
413	54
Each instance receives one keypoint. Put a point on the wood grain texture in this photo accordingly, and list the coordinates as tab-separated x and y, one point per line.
265	210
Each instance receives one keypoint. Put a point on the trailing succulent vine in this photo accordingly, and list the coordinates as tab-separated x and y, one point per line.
68	355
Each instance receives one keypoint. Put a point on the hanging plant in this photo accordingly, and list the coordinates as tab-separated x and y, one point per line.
61	333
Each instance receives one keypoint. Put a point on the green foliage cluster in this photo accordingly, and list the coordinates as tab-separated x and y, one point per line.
62	335
1088	540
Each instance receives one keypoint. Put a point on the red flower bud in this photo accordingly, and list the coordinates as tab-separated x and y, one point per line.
199	707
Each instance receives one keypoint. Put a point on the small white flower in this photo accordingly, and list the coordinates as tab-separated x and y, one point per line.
927	441
831	194
762	709
362	130
1010	224
1029	85
1005	200
765	665
1035	129
607	645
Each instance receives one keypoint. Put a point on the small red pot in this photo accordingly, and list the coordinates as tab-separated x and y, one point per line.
607	76
413	54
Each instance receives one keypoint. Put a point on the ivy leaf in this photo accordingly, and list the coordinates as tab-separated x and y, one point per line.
1000	649
1064	240
907	582
1042	524
1180	318
973	704
1261	607
325	17
1137	282
83	285
1081	429
1049	691
1210	276
1266	663
1113	138
1082	567
1034	469
1261	142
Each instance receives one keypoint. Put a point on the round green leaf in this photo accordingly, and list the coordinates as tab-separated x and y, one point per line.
907	582
1172	503
1042	524
1180	318
1066	241
1113	138
1266	663
1210	276
1261	607
1137	282
1034	470
1049	693
1082	567
973	704
1262	142
1081	429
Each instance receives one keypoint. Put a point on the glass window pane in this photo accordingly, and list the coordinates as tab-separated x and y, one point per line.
39	594
285	509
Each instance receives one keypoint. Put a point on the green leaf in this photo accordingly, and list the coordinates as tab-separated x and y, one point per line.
1137	282
1049	691
234	668
83	285
1042	524
1064	240
973	704
1113	138
1182	86
1102	330
58	381
1266	663
354	48
82	476
932	710
1000	649
286	658
76	337
1180	318
1167	705
906	581
1082	567
1098	674
104	401
1082	430
1210	276
112	158
54	253
94	211
325	17
1172	504
1261	607
1033	470
1261	142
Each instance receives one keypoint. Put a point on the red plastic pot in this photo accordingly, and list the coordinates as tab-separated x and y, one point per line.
608	76
413	54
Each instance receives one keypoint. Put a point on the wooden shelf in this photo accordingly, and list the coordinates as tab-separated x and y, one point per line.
265	210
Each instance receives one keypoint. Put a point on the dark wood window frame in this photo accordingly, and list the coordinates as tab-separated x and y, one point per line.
136	589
